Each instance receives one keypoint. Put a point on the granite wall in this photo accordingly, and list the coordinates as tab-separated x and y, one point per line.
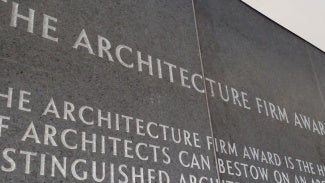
184	91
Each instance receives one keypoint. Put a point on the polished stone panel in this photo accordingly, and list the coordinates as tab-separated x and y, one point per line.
253	57
78	77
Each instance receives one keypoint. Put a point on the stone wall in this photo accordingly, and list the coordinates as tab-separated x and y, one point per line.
157	91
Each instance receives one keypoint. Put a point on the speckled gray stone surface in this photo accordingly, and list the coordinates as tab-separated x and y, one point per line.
163	29
244	50
240	49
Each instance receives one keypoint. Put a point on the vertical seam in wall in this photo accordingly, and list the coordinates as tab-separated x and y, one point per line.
206	93
316	77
